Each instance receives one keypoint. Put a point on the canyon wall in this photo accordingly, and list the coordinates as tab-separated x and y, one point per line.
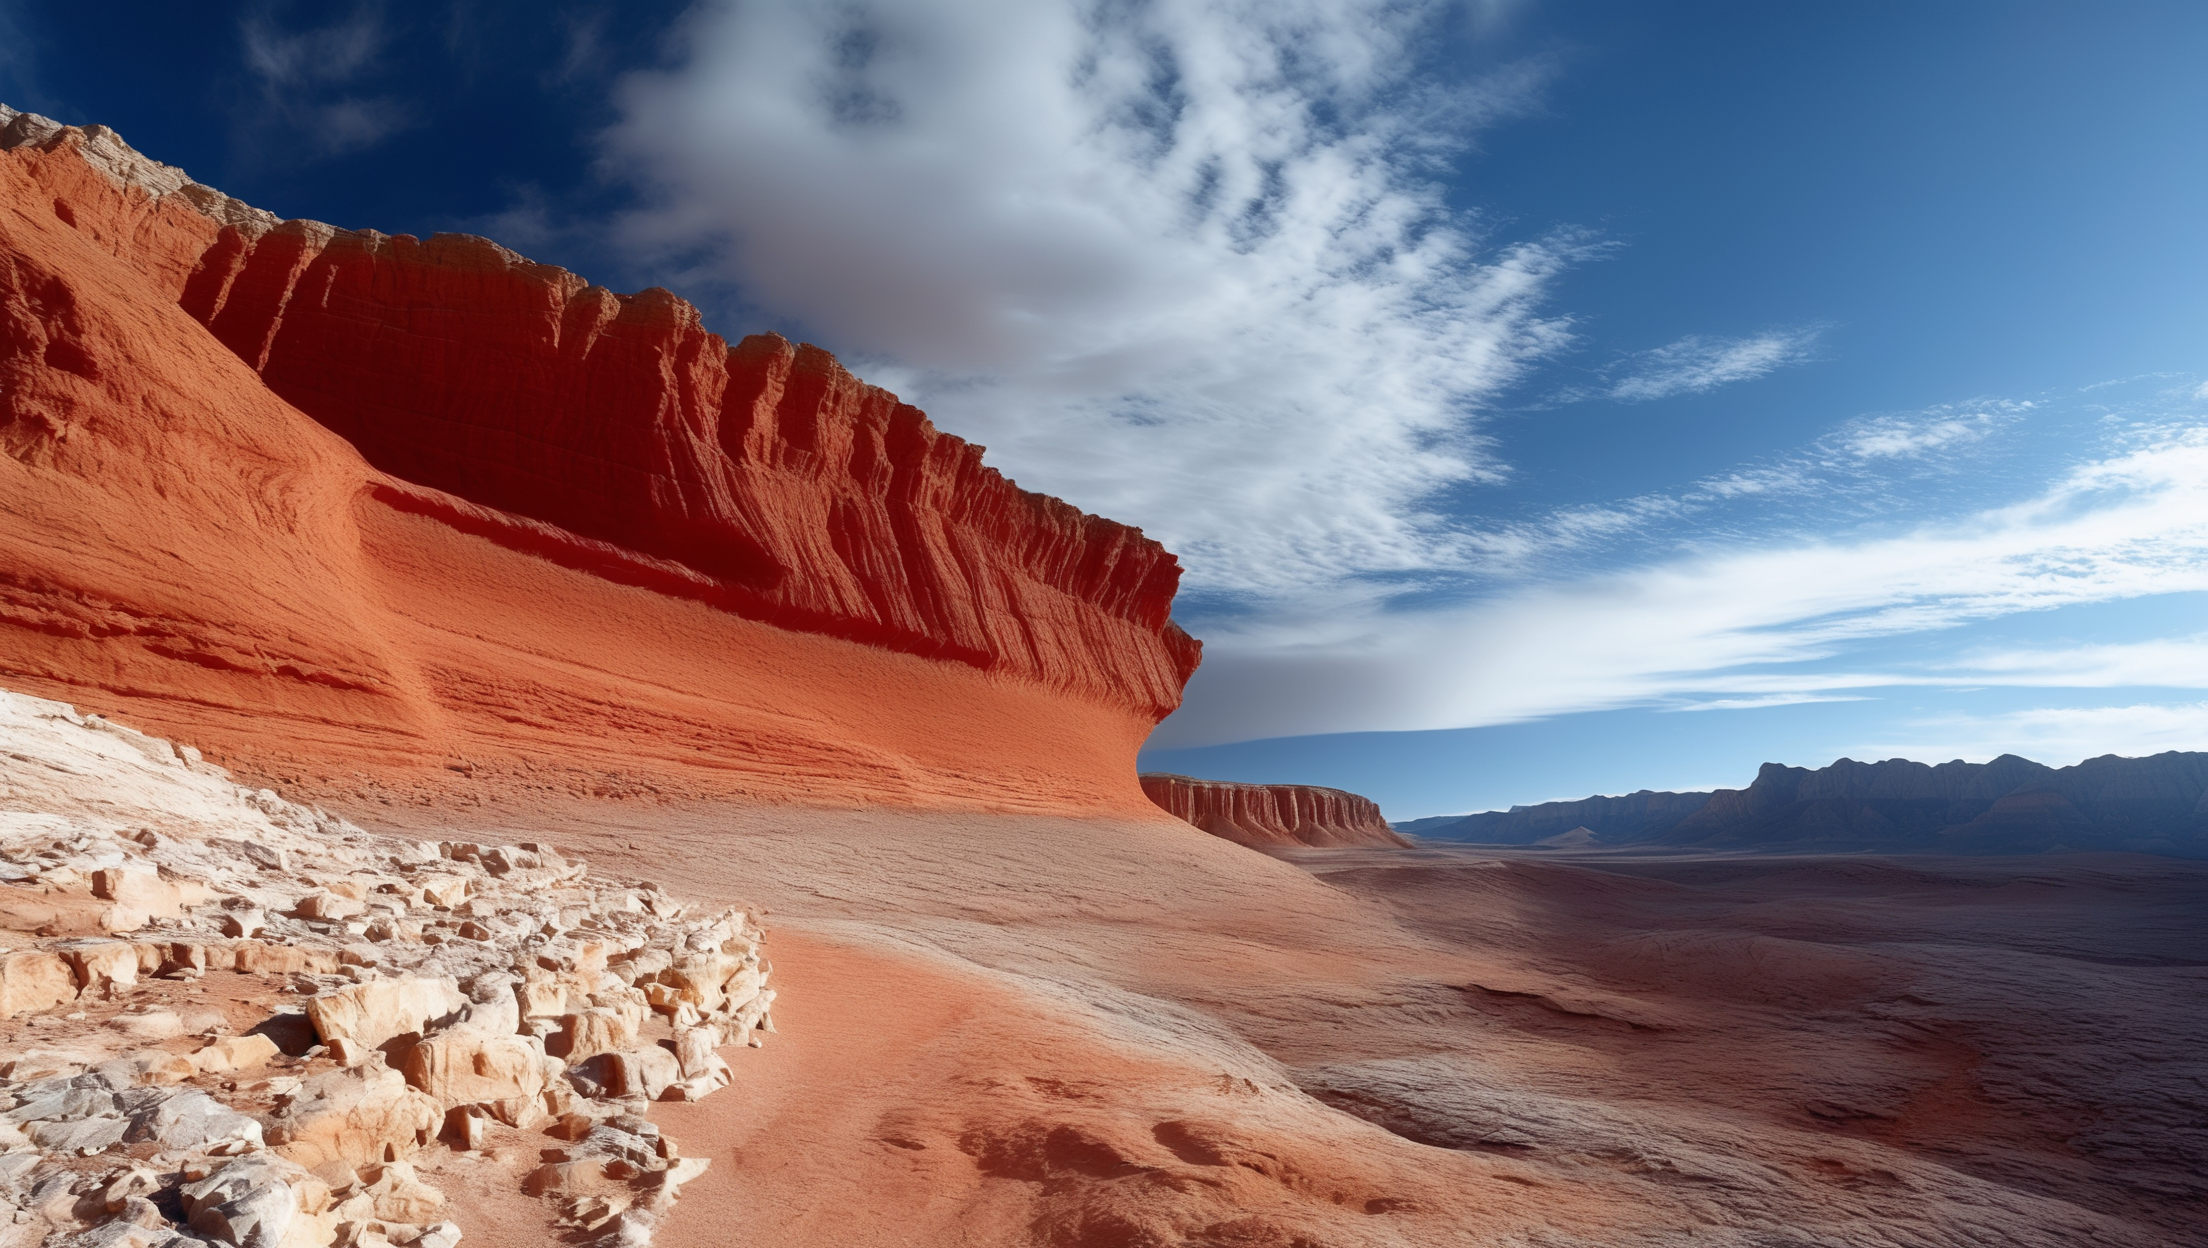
360	505
1271	814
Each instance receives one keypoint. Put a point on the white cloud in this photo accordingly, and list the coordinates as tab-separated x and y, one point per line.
2171	662
1695	364
303	76
1739	622
1874	467
1763	700
1893	437
1185	265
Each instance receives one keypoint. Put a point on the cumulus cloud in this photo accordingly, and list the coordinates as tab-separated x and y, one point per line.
1186	265
1696	365
306	77
1748	621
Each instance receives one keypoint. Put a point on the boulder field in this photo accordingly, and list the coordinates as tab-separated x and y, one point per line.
226	1018
1263	815
367	508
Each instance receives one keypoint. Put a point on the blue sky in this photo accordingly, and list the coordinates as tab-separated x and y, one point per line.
1546	398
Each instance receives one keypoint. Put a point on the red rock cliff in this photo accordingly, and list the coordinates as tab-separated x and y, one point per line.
1271	814
553	522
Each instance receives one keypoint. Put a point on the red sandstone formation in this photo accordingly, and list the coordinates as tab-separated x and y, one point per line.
1271	814
602	549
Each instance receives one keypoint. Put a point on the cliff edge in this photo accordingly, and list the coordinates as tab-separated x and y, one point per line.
1272	814
363	502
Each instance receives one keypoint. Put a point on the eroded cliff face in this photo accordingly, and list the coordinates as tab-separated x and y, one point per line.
1271	814
806	498
291	490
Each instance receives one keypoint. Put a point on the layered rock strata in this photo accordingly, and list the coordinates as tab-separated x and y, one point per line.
414	996
1271	814
582	524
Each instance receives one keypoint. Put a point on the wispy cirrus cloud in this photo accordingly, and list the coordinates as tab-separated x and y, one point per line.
2177	662
1697	364
1127	246
2056	735
1756	620
307	82
1878	465
1893	437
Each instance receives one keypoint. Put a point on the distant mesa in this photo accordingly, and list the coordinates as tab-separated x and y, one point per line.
1272	815
2011	805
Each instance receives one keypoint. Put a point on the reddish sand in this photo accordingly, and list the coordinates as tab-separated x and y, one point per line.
182	548
1022	1029
1277	815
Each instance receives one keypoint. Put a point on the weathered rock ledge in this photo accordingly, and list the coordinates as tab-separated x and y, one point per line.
797	494
410	996
1272	814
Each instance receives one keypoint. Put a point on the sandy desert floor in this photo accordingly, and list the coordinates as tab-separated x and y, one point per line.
1007	1029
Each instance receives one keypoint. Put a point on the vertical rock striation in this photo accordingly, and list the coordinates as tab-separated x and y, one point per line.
804	497
1271	814
378	505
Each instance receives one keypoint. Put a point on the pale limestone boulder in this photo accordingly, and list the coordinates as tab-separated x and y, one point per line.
704	1071
467	1067
642	966
697	1053
149	1026
86	1135
397	1194
698	978
234	1053
191	1119
244	921
254	957
499	1016
647	1072
381	1010
35	981
328	907
261	1201
144	890
586	1034
364	1116
106	967
550	994
151	1068
442	891
741	987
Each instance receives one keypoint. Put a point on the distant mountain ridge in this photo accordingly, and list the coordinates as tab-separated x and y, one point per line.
2010	805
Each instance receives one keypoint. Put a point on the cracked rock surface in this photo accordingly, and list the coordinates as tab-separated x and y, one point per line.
379	999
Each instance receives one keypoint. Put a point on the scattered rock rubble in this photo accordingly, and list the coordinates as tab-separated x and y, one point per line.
416	994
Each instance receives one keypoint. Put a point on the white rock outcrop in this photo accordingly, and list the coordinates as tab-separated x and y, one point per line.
426	991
